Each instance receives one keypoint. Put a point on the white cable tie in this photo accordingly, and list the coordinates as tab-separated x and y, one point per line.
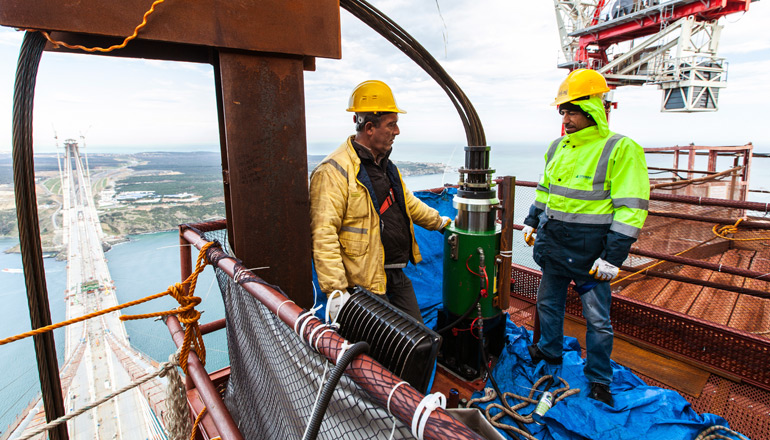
426	407
278	311
332	296
311	315
345	346
312	335
390	396
329	329
719	269
301	316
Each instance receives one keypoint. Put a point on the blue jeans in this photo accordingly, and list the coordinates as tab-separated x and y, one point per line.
551	298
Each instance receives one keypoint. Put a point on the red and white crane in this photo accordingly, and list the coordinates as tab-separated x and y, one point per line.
670	43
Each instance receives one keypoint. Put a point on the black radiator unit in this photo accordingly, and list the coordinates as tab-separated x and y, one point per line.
399	342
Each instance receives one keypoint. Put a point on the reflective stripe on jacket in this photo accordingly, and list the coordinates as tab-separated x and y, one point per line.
345	224
594	192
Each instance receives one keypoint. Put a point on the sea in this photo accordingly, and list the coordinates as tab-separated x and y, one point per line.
149	263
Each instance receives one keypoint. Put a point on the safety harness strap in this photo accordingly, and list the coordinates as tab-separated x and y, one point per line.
388	202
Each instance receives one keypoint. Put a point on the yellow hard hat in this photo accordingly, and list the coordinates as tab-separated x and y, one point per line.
373	96
580	83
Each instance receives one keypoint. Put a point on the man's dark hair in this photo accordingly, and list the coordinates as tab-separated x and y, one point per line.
374	118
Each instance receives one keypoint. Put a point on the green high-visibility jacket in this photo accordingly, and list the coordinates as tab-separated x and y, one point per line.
592	199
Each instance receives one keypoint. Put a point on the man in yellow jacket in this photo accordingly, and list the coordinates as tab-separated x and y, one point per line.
590	206
362	215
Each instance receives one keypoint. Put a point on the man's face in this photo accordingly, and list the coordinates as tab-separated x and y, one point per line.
382	136
574	121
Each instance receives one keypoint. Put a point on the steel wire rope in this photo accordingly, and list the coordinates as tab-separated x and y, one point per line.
29	228
391	31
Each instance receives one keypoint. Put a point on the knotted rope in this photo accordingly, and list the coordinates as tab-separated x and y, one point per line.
722	232
512	411
183	293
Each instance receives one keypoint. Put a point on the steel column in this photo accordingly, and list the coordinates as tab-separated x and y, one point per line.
266	151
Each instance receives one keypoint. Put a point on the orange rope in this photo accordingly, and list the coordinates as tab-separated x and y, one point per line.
48	328
101	49
182	292
197	421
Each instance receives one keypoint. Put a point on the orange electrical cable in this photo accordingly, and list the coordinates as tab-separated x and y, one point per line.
57	43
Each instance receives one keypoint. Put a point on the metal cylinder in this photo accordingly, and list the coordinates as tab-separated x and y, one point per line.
461	287
475	214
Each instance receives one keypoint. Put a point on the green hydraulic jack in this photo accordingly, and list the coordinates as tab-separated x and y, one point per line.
472	322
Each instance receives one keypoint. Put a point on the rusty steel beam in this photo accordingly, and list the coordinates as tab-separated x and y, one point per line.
702	264
277	26
705	283
266	151
215	407
506	194
212	326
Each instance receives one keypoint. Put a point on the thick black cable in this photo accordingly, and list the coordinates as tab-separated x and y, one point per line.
463	316
326	394
406	43
29	228
500	395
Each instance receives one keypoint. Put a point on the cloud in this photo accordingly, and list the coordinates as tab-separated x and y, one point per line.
502	53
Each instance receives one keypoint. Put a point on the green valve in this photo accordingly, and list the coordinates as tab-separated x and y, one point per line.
462	280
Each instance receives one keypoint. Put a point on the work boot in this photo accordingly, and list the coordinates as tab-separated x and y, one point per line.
537	356
601	392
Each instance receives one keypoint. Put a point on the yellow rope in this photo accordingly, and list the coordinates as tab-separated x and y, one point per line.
56	43
660	262
187	313
718	231
197	421
721	232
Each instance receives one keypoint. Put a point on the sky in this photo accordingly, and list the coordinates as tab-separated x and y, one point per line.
502	53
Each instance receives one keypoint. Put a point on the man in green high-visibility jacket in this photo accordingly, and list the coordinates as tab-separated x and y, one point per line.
590	206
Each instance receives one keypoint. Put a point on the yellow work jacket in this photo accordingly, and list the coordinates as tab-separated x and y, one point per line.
345	224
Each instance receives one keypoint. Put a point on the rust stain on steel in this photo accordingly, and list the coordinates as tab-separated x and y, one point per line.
280	26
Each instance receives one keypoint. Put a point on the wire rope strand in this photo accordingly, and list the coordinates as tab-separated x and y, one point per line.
29	229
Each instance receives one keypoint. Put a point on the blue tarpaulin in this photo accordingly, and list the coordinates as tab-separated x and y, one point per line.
640	411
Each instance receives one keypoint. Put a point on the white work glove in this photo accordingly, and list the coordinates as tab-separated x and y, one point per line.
334	304
529	235
603	270
445	221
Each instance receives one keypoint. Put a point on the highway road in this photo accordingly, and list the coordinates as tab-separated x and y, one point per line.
90	288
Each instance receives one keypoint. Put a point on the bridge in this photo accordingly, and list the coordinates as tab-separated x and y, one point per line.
98	356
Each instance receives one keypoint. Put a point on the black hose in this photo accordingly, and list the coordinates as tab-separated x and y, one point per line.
463	316
326	394
382	24
484	358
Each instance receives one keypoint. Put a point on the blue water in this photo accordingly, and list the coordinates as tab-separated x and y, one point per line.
146	265
19	381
